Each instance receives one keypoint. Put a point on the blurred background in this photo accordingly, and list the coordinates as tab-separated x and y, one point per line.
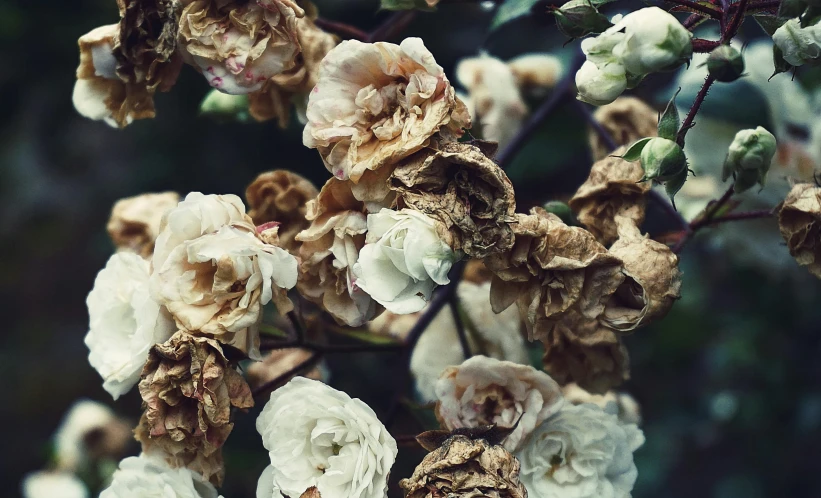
729	383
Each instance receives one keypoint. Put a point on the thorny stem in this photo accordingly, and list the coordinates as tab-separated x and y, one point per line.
340	28
691	115
692	21
297	370
709	214
460	326
708	11
735	22
746	215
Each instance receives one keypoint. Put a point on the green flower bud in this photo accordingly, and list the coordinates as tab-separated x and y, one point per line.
224	106
749	158
579	18
725	63
561	210
662	159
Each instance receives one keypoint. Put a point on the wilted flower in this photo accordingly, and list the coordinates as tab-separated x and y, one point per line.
652	283
799	45
749	158
404	258
584	351
459	186
626	120
124	322
188	387
725	63
276	363
148	475
89	431
583	452
135	221
614	188
484	391
536	73
281	196
463	467
599	85
238	46
376	103
653	41
552	270
330	248
46	484
624	406
799	221
334	442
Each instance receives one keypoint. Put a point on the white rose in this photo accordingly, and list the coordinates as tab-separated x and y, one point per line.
581	452
653	41
318	436
149	476
484	391
600	86
403	260
124	322
53	484
799	45
85	417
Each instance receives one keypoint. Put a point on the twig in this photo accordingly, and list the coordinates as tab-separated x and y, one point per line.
745	215
708	11
735	22
709	214
397	22
339	28
297	370
460	326
691	115
332	348
692	21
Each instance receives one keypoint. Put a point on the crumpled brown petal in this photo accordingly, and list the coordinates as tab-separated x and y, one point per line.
135	221
626	120
330	248
551	271
147	43
467	468
612	189
281	196
653	280
188	388
799	221
584	351
460	186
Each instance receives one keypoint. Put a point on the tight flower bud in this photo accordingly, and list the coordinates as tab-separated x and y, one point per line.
654	41
725	63
799	45
662	159
749	158
600	85
578	18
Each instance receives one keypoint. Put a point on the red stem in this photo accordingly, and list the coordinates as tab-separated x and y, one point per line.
691	115
708	11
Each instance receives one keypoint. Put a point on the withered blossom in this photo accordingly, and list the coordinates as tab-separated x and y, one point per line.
188	387
652	283
281	197
626	120
612	189
799	220
551	271
458	185
464	467
135	221
147	42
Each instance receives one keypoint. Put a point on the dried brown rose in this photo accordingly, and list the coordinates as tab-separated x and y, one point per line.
281	196
551	271
584	351
330	247
612	189
626	120
458	185
800	223
652	283
463	467
135	221
188	387
276	363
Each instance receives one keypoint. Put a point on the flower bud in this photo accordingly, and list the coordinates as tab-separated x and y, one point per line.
600	85
749	158
578	18
654	41
662	159
799	45
561	210
225	106
725	63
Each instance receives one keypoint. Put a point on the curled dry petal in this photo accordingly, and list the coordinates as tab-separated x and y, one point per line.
652	283
799	220
552	271
281	196
614	188
458	185
135	221
626	120
463	467
624	406
147	42
188	388
376	103
584	351
330	248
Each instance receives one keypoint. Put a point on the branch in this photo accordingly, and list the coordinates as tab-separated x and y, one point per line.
735	22
709	214
691	115
697	7
345	31
746	215
332	348
460	326
297	370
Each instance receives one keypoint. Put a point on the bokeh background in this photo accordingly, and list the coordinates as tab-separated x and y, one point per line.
729	383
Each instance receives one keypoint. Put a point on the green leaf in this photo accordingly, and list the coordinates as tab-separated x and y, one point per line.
781	65
669	122
266	329
769	23
511	10
673	185
405	5
634	151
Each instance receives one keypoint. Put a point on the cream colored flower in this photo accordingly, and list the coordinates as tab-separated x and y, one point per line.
89	430
484	391
624	406
376	103
238	46
46	484
135	221
149	476
318	436
581	452
124	322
